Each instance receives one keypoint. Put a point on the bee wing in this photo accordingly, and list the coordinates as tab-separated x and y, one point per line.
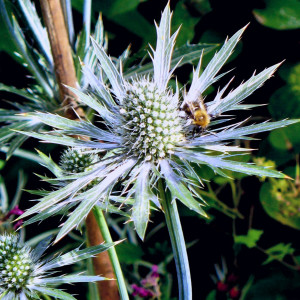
200	102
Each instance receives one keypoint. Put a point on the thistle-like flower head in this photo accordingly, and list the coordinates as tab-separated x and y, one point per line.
76	161
151	124
150	133
23	275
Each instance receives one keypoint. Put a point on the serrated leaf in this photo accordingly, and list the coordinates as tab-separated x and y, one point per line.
40	33
240	133
141	207
110	70
250	240
19	92
96	105
185	54
53	293
187	21
20	43
163	53
74	127
234	97
76	256
278	252
201	82
77	216
69	141
179	190
219	162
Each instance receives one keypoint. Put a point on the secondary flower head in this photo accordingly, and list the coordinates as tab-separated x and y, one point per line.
151	133
23	275
76	161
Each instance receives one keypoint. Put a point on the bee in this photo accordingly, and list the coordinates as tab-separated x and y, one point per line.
196	112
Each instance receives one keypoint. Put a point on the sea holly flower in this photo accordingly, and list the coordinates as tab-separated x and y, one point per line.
150	140
24	275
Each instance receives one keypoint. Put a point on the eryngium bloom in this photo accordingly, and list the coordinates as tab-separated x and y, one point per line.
152	133
23	275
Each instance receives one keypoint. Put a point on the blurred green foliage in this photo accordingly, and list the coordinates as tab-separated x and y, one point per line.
279	14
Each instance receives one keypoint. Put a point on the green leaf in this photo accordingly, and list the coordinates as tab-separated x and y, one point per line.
179	190
231	175
71	279
211	296
280	202
76	256
279	14
234	97
275	286
77	216
129	253
3	196
39	32
21	45
22	92
182	17
50	164
278	252
240	133
250	240
286	138
141	207
110	70
291	108
216	162
202	6
201	82
8	46
53	293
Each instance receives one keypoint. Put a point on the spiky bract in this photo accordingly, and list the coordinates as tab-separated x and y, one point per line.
24	275
147	139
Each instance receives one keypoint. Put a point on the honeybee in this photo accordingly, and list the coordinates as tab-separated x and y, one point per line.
196	112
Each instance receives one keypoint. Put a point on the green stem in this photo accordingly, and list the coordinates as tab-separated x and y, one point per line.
87	8
111	252
178	244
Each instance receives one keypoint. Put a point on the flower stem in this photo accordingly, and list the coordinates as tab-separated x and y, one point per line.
111	252
178	244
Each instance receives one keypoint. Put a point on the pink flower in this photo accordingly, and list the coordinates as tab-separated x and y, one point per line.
140	291
15	212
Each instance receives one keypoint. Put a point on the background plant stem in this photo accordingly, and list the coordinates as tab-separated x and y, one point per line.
111	252
65	75
178	244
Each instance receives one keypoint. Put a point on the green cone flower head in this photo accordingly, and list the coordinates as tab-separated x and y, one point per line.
15	264
24	276
76	161
152	126
151	133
